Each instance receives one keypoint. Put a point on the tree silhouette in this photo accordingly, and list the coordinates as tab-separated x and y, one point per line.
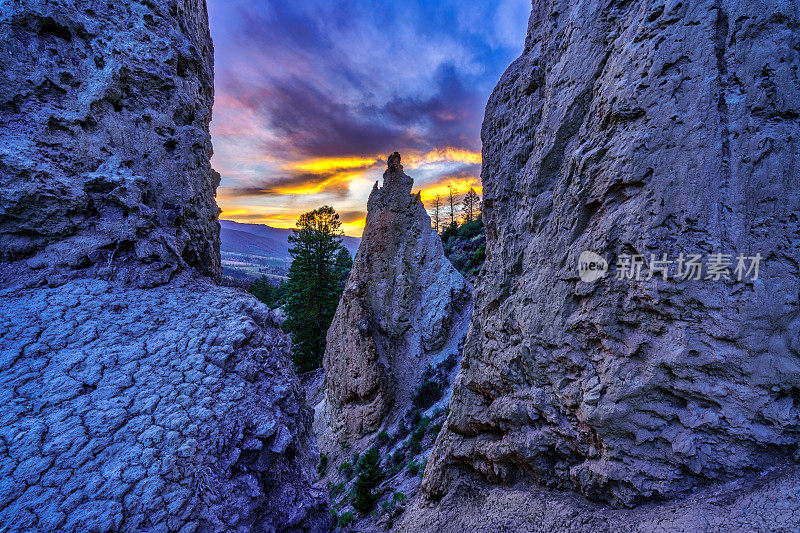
471	205
437	201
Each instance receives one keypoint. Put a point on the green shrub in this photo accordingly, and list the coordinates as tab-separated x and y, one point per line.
451	230
423	423
346	519
334	489
346	469
398	497
413	468
398	457
426	394
382	439
370	474
471	229
322	466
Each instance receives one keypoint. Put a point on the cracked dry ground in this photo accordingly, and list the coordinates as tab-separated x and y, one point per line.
128	409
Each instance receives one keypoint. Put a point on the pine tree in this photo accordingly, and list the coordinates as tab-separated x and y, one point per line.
314	285
267	292
436	204
471	205
343	265
452	208
370	475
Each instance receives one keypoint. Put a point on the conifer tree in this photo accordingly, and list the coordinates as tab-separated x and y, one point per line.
370	475
471	205
437	201
314	284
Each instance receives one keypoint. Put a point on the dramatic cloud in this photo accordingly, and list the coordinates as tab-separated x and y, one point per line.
312	96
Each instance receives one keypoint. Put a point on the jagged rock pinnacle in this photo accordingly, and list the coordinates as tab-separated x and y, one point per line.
402	303
394	163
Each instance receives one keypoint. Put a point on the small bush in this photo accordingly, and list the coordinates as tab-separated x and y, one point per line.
346	469
423	423
322	466
346	519
471	229
370	475
451	230
413	468
426	394
334	489
398	497
382	439
398	457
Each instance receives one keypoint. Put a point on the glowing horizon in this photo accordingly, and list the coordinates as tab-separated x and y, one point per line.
310	105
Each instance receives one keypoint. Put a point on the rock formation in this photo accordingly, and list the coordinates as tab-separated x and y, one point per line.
137	395
132	409
403	305
105	157
630	129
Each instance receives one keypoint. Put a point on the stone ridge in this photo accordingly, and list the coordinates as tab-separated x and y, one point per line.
399	307
636	128
104	165
133	410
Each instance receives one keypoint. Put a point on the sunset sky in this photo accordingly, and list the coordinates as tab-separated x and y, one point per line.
312	96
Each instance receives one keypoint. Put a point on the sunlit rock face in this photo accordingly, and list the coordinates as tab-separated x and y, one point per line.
105	155
623	129
403	307
137	395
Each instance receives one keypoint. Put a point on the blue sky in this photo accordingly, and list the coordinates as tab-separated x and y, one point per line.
312	96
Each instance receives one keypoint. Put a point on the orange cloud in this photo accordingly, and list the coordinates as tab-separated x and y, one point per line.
332	164
353	227
442	155
460	186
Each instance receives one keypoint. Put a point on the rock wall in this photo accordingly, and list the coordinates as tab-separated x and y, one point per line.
636	128
137	395
105	158
401	306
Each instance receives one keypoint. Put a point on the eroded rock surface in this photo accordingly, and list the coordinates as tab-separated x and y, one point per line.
105	152
768	502
172	408
136	394
402	307
636	128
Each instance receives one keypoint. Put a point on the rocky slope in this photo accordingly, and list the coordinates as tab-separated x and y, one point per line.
401	307
137	395
140	409
628	129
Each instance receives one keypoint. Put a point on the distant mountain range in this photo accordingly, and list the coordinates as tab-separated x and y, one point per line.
252	250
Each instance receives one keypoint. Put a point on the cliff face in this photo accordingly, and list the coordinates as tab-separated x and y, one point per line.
636	129
105	158
137	395
403	307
